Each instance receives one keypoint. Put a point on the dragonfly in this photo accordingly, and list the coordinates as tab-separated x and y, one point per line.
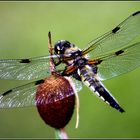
110	55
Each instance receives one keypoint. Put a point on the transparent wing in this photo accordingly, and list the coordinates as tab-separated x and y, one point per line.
116	39
119	62
78	84
25	95
21	96
25	69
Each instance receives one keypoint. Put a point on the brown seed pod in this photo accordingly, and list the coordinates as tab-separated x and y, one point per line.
55	100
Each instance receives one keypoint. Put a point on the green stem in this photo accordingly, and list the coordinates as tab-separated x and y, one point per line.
60	134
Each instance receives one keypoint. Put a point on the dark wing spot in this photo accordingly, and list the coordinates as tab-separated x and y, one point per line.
7	92
39	82
115	29
119	52
98	62
25	61
135	13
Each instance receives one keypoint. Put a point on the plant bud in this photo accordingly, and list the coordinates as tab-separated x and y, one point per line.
55	100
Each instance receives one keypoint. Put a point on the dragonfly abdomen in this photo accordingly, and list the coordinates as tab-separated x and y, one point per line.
91	80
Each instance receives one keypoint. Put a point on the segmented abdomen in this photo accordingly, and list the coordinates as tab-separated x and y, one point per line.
92	81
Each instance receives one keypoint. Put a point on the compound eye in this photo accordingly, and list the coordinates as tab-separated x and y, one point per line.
61	46
66	44
58	48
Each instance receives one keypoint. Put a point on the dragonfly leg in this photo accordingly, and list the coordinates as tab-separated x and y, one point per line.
57	63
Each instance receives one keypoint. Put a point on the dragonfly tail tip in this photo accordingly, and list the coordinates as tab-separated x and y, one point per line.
121	110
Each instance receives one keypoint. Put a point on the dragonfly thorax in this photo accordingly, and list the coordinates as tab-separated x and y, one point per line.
80	62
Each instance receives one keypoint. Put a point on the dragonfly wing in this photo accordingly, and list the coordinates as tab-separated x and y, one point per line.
78	84
19	97
25	95
119	62
25	69
115	39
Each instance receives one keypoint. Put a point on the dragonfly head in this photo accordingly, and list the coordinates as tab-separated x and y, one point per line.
61	46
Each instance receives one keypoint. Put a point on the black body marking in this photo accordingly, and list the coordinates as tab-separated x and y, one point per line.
115	29
107	97
39	82
81	62
7	92
25	61
77	76
94	69
135	13
119	52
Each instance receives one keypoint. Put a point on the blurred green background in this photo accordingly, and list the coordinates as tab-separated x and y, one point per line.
23	34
